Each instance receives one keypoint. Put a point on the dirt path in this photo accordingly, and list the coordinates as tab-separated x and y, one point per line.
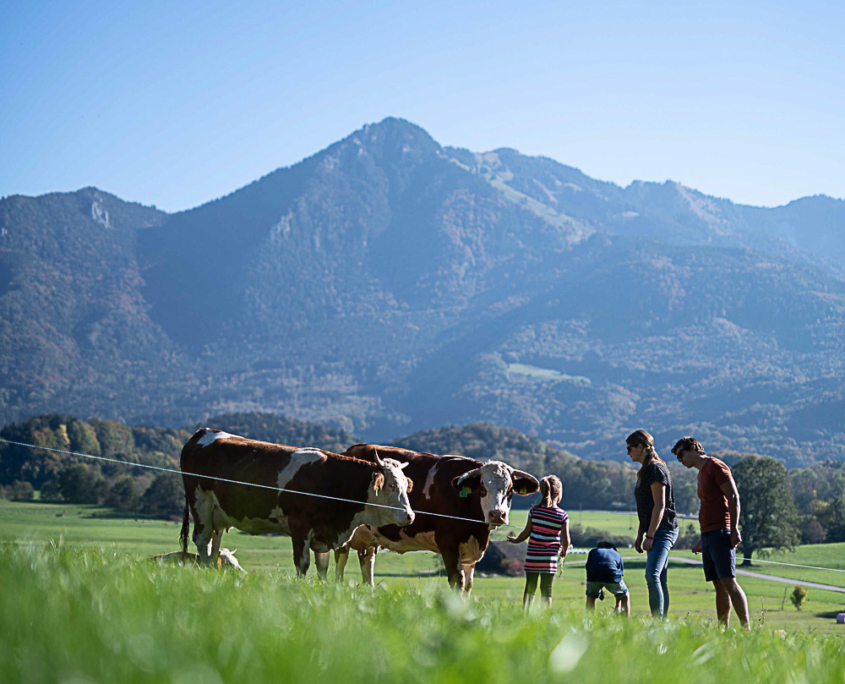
746	573
771	578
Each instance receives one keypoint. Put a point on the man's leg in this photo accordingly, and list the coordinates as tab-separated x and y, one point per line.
591	603
723	603
736	598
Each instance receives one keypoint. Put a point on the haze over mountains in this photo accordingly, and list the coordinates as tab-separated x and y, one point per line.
388	284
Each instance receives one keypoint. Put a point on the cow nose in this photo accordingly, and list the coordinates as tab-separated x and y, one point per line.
497	517
410	518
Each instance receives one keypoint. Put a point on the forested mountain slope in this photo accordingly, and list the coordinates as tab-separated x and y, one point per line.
388	284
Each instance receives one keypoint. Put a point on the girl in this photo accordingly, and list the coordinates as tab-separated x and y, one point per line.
546	525
658	530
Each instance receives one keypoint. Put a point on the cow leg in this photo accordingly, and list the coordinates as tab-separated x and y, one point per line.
454	571
301	553
341	556
367	561
469	572
203	511
216	538
321	561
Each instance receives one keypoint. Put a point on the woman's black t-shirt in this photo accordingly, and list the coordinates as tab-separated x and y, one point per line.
655	472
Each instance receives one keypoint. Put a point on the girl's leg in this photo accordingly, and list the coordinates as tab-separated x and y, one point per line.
546	580
530	589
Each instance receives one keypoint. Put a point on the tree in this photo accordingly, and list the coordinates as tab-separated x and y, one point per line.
165	496
768	519
798	596
124	494
81	484
21	491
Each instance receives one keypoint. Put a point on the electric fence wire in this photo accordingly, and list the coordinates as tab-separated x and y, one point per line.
326	496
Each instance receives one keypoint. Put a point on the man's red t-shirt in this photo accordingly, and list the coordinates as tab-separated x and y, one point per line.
714	513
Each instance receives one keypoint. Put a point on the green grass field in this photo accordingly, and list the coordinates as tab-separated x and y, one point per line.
95	528
76	615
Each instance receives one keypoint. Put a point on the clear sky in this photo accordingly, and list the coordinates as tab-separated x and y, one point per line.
176	103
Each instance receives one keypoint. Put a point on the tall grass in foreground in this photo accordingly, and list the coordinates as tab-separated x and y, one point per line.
78	616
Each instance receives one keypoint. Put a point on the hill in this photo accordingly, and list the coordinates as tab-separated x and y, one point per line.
390	284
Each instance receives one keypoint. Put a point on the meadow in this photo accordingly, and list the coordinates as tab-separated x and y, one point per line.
81	601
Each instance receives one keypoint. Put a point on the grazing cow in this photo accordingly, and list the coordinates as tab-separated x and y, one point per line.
453	486
214	463
225	560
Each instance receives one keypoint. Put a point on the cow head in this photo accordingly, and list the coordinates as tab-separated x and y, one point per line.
390	487
496	483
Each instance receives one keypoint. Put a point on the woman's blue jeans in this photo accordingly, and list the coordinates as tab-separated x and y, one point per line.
656	566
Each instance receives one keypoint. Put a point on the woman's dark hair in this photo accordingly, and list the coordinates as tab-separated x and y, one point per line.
644	439
551	488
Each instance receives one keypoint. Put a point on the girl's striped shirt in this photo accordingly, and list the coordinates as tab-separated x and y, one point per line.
544	543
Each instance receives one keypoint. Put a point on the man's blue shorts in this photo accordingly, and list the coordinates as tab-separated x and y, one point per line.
717	555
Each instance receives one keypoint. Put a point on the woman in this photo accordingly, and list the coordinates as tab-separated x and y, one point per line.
547	524
658	528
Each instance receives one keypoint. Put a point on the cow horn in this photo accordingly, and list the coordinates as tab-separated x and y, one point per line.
471	473
379	462
522	473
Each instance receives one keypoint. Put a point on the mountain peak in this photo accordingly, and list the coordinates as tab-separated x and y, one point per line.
394	133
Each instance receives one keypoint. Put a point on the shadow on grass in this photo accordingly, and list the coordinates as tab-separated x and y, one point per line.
829	614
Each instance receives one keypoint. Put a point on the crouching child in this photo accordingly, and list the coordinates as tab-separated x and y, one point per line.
604	571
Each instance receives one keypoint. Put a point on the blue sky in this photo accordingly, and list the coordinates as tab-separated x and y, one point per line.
176	103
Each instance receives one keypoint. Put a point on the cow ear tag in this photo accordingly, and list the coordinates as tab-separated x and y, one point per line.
464	493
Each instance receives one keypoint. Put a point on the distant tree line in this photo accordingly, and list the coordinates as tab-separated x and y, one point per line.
61	477
780	508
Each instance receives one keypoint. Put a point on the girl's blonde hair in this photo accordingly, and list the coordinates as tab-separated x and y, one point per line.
644	439
551	489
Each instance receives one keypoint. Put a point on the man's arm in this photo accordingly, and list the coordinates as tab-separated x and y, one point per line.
732	495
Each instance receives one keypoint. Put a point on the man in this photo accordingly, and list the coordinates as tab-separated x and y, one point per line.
604	571
718	518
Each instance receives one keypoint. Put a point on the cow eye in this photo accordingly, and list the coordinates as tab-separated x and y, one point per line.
483	491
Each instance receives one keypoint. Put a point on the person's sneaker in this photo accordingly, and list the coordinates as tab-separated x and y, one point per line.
601	594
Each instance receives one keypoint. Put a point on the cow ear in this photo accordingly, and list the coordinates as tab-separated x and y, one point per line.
410	484
469	483
378	482
525	485
402	466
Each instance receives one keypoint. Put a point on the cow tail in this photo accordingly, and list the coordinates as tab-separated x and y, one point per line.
186	526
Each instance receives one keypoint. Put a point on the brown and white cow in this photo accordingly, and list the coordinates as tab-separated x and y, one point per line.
375	493
452	486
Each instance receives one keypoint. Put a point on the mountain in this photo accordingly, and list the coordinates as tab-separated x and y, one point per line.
388	284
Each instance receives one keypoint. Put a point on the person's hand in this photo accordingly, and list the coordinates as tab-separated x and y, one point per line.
736	538
697	547
648	543
512	538
638	544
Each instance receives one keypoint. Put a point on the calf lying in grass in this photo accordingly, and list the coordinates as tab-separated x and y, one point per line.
226	560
